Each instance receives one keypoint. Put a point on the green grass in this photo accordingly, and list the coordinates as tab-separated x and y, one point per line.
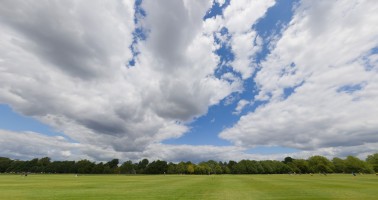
237	187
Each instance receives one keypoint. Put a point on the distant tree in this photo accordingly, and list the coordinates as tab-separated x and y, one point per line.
127	167
280	167
204	168
44	162
313	164
17	166
373	161
5	163
157	167
339	165
214	166
98	168
354	164
302	165
61	167
267	166
181	168
288	160
113	164
241	167
218	169
320	164
107	170
226	170
231	165
190	168
172	168
142	165
258	167
198	169
84	166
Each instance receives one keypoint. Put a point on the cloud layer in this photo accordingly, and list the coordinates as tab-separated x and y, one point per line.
319	81
67	65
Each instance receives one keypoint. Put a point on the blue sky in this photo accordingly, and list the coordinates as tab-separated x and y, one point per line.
191	80
205	129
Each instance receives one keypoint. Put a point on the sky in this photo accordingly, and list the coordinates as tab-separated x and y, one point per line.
188	80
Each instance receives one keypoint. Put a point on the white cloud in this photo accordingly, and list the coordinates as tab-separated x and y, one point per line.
29	145
241	104
221	2
324	50
65	64
239	17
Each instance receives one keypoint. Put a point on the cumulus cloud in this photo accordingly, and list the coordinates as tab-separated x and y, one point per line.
29	145
239	18
318	85
241	104
65	64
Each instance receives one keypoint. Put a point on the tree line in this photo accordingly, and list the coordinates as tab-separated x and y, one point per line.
314	164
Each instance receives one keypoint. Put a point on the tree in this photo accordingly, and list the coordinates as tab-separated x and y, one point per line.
181	168
240	167
5	163
267	166
339	165
43	163
257	167
226	170
17	166
172	168
354	164
142	165
127	167
84	166
157	167
302	165
231	165
373	161
320	164
288	160
204	168
190	168
113	164
98	168
214	166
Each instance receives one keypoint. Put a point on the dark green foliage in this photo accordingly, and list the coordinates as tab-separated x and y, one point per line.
320	164
127	167
141	166
353	164
157	167
4	164
113	163
314	164
84	166
98	169
288	160
373	161
339	165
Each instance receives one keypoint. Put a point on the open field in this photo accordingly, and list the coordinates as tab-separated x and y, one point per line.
189	187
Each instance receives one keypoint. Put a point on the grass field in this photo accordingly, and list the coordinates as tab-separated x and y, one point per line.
238	187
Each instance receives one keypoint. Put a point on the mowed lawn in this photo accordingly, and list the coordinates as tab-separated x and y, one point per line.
237	187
